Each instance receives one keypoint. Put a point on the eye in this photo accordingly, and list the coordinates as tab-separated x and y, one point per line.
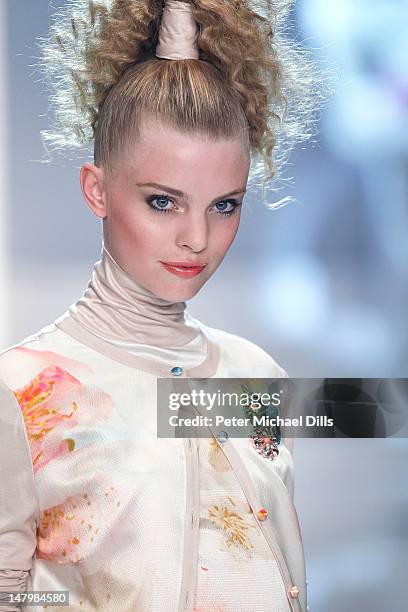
229	211
161	203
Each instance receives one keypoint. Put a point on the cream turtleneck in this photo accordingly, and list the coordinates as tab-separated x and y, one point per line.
118	312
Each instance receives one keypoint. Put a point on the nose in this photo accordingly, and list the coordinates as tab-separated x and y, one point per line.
193	232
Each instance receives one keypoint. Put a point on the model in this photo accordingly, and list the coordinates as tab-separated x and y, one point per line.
178	98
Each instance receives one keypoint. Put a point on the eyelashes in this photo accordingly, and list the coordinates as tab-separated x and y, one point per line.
166	199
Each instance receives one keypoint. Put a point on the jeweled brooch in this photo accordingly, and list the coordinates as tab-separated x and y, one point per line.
266	438
266	445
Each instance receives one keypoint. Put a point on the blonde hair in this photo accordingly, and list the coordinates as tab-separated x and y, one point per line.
250	78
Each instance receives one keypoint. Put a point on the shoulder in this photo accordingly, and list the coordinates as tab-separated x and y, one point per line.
14	356
46	348
243	355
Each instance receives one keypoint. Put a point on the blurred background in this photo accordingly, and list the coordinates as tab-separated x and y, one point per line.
321	284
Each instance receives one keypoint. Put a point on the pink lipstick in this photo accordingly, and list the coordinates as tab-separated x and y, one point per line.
183	268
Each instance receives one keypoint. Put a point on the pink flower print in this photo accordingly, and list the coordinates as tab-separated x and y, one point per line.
64	528
51	403
56	535
73	530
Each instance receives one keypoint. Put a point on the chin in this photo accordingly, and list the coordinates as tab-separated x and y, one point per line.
179	294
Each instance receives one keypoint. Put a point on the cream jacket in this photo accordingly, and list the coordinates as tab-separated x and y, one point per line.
92	502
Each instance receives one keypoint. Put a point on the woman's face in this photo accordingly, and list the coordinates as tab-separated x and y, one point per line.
174	198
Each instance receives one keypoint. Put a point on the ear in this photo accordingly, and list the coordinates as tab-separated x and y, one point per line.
93	189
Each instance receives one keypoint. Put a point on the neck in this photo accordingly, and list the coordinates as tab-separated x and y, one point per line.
118	308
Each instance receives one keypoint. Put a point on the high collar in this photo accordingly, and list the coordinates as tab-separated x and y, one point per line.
116	307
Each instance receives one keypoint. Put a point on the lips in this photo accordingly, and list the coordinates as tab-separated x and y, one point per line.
184	264
182	268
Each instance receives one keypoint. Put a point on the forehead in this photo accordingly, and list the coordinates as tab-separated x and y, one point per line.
162	152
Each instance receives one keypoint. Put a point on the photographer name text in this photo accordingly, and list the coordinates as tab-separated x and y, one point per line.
256	421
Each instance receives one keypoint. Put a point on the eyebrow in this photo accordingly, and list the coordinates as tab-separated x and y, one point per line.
180	194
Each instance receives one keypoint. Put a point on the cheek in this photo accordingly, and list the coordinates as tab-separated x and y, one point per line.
225	233
137	228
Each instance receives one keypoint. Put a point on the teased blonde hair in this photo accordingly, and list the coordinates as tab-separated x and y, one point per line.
250	78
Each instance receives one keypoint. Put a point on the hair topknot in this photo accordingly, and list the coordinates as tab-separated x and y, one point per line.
99	59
